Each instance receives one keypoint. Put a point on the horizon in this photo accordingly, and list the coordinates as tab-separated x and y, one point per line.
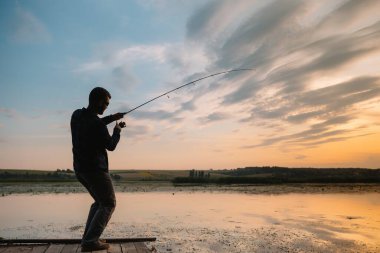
312	100
210	169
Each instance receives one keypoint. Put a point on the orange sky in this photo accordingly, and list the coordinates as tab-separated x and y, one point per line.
312	100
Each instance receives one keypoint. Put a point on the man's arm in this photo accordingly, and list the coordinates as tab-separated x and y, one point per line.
111	118
110	142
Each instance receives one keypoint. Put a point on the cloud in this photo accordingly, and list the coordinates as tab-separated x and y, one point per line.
122	67
290	50
136	131
201	21
216	20
176	55
158	115
255	43
187	58
27	28
213	117
343	94
349	13
307	84
106	58
256	28
317	134
334	54
10	113
244	92
333	139
334	99
123	78
188	106
301	117
33	115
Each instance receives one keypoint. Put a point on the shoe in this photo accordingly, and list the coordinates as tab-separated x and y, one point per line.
95	246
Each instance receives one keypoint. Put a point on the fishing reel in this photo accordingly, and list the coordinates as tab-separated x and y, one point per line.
121	124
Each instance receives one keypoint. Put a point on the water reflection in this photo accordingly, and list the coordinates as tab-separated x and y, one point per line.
343	220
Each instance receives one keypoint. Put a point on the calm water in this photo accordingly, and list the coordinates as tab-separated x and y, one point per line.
336	219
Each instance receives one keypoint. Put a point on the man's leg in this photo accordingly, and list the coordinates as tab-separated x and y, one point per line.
100	187
94	207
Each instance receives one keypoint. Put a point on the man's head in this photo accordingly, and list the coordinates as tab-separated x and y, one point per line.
99	99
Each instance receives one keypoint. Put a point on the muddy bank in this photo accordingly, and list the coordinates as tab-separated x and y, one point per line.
189	239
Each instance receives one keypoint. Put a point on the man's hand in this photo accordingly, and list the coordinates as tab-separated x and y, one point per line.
120	125
117	116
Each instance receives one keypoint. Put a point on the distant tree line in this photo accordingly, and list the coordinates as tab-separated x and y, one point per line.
285	172
58	175
279	175
198	174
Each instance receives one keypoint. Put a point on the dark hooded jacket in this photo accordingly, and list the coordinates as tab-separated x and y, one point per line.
90	139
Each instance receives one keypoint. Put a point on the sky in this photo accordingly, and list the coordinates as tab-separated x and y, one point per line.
311	100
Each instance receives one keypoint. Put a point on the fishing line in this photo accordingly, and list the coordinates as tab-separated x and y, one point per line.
186	84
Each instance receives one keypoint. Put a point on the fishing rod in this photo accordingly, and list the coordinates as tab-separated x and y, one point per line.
186	84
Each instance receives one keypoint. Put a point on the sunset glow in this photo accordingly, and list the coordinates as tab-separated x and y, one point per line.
312	100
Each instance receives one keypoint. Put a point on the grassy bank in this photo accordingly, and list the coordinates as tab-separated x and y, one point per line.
248	175
66	175
282	175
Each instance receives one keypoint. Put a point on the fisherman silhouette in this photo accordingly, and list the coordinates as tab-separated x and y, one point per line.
91	140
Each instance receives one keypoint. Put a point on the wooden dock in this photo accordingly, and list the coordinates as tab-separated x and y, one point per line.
72	246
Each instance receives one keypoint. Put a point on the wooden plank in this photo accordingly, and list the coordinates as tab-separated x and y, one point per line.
79	249
76	241
115	248
128	247
141	247
100	251
2	249
70	248
18	249
55	248
39	248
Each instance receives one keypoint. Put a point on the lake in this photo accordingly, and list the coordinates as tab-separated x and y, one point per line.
208	221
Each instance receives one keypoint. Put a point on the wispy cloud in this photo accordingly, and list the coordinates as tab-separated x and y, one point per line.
291	44
28	28
110	58
119	64
137	131
9	113
306	84
177	55
214	117
31	115
123	78
188	105
157	115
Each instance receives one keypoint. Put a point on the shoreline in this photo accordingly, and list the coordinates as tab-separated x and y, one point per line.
165	186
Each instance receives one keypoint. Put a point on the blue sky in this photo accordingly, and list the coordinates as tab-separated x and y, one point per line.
41	43
312	99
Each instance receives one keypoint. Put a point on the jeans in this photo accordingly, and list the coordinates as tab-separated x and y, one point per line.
99	185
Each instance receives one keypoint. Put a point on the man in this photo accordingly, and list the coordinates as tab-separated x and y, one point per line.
90	140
